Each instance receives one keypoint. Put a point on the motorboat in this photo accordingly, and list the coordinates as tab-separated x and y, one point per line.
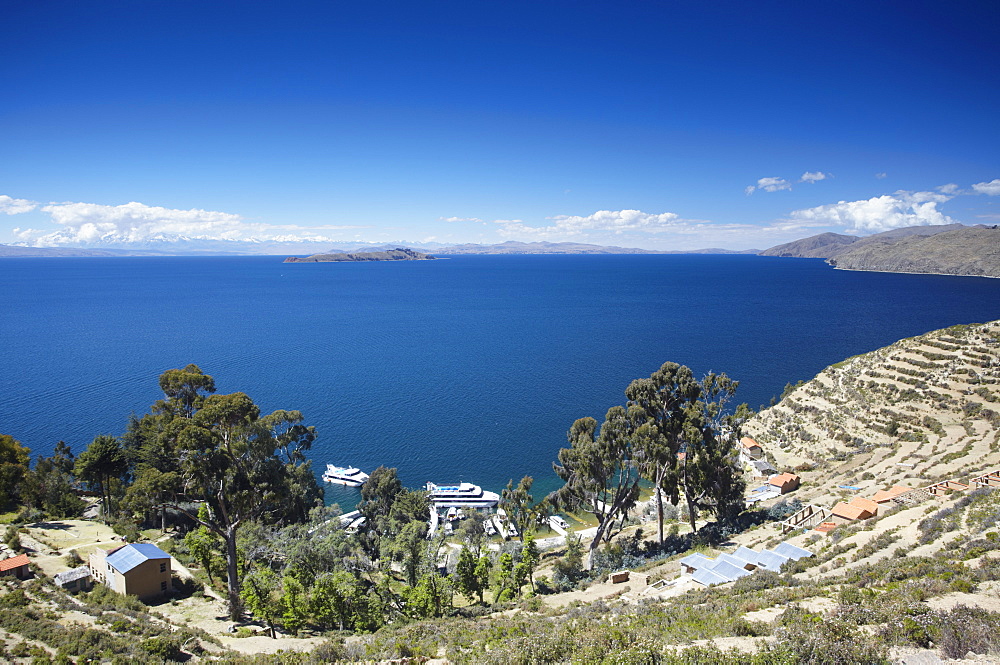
461	495
345	475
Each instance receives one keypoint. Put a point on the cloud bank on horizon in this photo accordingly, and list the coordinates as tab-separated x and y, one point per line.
78	224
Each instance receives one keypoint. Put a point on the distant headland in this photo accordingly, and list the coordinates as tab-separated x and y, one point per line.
952	249
398	254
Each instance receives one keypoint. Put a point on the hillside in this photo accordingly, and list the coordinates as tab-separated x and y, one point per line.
952	249
398	254
821	246
968	251
918	581
830	245
924	408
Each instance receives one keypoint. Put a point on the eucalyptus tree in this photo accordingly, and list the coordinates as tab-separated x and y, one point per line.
242	465
599	470
710	475
665	399
103	460
14	461
687	445
516	504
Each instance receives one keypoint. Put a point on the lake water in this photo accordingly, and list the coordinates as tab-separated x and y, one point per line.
470	368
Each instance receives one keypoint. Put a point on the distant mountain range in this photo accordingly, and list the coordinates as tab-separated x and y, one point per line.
953	249
201	247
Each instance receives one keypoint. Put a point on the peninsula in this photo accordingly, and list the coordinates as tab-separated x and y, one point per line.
952	249
398	254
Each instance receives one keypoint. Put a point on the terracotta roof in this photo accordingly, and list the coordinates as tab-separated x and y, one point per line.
865	504
14	562
748	442
882	496
850	512
782	479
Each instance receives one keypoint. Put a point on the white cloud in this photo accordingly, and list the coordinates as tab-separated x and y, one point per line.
749	189
773	184
89	224
991	188
950	188
459	219
881	213
613	222
814	176
881	176
10	206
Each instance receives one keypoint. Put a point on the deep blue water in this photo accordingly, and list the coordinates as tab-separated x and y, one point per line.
470	368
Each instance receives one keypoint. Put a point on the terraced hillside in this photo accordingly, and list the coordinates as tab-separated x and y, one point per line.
921	410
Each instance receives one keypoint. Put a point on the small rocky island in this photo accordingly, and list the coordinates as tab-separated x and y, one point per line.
398	254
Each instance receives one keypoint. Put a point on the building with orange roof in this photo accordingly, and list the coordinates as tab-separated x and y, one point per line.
786	482
16	566
858	509
751	448
885	496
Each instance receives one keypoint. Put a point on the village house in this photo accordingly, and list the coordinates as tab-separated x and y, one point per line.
750	449
858	509
78	579
784	482
141	570
885	496
16	566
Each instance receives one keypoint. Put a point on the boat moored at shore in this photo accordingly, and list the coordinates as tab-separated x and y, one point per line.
344	475
461	495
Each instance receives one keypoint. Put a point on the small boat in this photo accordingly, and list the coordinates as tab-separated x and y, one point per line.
345	475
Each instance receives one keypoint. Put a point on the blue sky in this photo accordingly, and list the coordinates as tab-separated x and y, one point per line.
645	124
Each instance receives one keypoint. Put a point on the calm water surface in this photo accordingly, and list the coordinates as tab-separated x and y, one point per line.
470	368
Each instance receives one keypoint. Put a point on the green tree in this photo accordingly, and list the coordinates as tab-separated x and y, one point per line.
686	446
150	492
530	556
244	466
261	593
377	497
102	461
710	475
185	390
599	470
466	580
516	505
294	604
484	568
503	578
14	461
665	399
201	542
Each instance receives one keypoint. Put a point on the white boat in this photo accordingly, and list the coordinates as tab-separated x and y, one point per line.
345	475
462	495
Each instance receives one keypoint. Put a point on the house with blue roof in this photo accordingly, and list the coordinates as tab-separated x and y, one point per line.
141	570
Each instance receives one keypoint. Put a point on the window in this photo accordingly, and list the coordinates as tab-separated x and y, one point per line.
163	567
163	586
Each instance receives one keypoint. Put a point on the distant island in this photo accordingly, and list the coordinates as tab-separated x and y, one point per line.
952	249
397	254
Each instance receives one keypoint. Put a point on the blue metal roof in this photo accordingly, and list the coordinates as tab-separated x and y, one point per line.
736	561
131	556
728	570
792	552
706	577
696	561
745	553
771	560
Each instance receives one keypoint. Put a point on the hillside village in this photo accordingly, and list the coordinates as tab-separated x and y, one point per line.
872	535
